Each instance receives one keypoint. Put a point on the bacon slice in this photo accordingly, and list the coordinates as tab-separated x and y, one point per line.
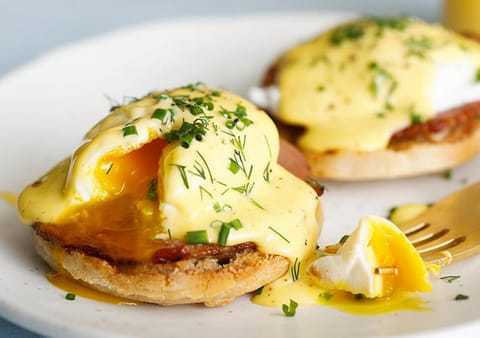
451	125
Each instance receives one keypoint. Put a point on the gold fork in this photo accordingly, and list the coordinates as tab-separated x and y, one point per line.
450	229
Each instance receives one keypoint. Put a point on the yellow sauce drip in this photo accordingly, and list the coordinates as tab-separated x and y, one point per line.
305	291
69	285
9	197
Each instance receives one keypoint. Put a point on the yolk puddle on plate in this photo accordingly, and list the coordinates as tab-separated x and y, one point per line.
304	291
9	197
280	292
69	285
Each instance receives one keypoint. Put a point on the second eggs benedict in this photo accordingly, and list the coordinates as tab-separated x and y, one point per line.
379	98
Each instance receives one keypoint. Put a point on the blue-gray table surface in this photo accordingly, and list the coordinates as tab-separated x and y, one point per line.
29	28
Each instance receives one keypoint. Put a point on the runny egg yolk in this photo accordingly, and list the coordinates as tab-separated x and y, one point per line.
131	174
375	260
123	226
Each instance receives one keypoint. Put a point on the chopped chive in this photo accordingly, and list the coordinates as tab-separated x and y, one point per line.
164	115
450	279
291	309
162	97
447	174
343	239
320	88
183	174
223	234
391	211
279	234
295	270
477	75
461	297
266	172
236	224
415	118
202	191
152	193
109	169
326	295
216	93
233	167
268	145
227	207
225	230
70	296
217	207
199	171
197	237
129	130
255	203
206	165
258	291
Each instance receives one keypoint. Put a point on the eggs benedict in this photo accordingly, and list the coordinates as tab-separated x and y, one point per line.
174	198
378	98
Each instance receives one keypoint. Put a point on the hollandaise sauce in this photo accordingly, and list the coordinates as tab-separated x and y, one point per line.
9	197
356	85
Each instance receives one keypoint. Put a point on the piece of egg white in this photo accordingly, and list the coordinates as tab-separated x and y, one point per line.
377	245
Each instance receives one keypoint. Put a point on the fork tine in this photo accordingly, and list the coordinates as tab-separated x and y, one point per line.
427	235
412	229
460	251
441	244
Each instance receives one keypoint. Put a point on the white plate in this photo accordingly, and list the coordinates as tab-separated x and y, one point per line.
46	107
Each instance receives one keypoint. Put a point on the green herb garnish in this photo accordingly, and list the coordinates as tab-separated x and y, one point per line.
450	279
326	295
164	115
290	310
225	230
295	270
391	212
129	130
70	296
197	237
245	189
195	86
255	203
152	193
187	132
204	191
415	118
266	172
477	75
279	234
461	297
350	32
397	23
183	174
109	169
236	119
344	239
418	46
448	174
